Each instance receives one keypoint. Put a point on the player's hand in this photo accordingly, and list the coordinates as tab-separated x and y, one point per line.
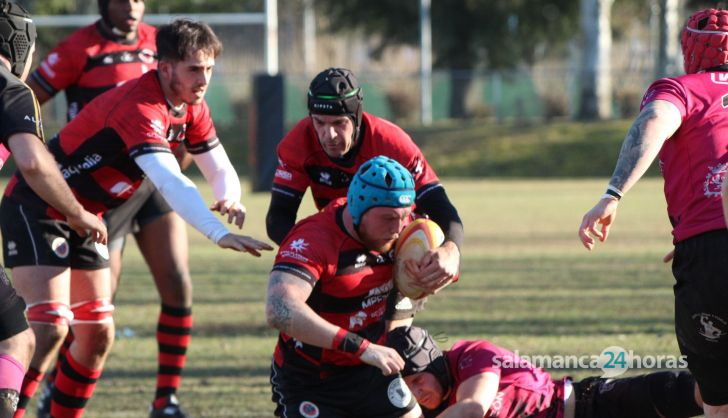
86	223
437	268
384	358
244	244
669	256
602	214
234	210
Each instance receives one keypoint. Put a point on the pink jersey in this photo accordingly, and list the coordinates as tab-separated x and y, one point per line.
693	161
524	390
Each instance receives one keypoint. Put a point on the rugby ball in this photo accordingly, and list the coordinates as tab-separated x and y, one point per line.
415	240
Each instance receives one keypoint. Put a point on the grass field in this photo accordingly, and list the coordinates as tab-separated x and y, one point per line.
526	283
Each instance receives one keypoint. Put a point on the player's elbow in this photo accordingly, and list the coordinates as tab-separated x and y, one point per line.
470	408
30	165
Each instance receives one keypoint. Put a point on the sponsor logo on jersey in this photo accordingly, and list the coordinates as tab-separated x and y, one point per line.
89	162
325	178
48	70
285	175
714	180
158	127
361	261
126	57
398	393
12	248
299	245
30	118
357	320
146	56
308	409
121	188
294	250
60	247
719	77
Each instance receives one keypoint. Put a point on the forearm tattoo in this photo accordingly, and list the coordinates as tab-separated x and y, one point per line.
279	313
281	317
633	148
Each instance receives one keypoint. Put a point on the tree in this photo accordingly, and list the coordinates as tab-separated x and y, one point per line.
467	34
596	81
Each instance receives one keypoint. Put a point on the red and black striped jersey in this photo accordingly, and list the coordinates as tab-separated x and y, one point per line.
90	61
302	163
96	150
351	286
20	110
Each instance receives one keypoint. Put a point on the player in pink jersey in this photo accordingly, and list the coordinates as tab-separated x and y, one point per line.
683	119
476	379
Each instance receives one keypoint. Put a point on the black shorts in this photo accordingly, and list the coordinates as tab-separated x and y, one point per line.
652	395
12	309
700	268
361	391
144	206
32	239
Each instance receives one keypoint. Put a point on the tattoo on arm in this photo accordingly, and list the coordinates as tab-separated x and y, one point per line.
281	317
633	148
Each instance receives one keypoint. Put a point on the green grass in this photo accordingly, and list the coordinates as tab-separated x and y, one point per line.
526	283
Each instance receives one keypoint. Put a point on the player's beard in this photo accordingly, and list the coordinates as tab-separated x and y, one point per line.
375	244
179	90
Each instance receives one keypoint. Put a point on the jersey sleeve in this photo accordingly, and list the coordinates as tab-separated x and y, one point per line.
62	67
200	136
290	176
397	144
20	112
144	130
670	90
304	253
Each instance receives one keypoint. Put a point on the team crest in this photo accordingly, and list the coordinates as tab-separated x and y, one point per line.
60	247
398	393
308	409
102	250
714	180
712	327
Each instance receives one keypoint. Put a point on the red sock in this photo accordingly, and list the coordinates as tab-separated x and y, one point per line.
74	385
30	384
173	337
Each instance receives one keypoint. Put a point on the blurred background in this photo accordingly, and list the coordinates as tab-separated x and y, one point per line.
442	64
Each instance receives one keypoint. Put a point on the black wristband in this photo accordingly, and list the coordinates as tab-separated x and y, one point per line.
613	194
351	343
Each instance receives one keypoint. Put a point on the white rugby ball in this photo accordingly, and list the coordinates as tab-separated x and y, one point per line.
416	239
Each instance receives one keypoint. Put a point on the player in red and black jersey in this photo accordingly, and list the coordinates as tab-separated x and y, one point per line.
21	132
683	120
331	294
117	48
104	153
477	379
325	149
98	57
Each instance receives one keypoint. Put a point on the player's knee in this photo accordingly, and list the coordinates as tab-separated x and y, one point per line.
53	318
96	316
673	394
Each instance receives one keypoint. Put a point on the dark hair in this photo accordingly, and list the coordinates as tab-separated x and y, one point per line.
177	40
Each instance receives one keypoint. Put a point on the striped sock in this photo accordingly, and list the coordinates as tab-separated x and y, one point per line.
173	337
74	385
30	384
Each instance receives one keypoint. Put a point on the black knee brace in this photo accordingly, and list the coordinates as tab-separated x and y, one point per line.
8	402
